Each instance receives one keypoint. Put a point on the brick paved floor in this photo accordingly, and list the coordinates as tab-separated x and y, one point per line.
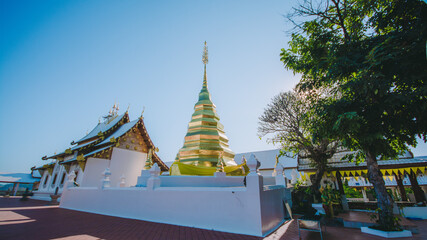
34	220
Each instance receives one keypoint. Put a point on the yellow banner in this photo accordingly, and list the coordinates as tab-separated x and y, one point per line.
396	171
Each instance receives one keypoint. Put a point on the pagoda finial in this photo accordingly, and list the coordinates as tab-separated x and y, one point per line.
205	54
205	61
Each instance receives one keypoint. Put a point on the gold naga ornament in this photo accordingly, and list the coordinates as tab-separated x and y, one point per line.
81	161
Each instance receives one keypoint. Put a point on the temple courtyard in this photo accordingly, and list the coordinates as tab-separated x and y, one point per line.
34	219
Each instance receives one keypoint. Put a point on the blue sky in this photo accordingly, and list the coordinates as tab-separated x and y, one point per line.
63	64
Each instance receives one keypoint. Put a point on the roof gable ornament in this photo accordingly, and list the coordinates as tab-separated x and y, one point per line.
142	113
112	114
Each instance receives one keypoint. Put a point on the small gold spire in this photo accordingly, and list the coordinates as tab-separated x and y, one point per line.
205	54
205	61
142	113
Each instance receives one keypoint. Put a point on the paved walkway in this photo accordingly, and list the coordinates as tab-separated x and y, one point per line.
34	220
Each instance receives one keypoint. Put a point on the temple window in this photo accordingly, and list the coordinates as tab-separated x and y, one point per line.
54	179
45	180
63	178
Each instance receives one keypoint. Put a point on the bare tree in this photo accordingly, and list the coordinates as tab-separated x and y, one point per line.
284	121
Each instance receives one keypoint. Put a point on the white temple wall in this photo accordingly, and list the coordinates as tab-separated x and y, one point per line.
253	210
272	210
126	163
93	172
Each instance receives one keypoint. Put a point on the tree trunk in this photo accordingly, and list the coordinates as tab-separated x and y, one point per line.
399	180
315	182
339	181
385	202
418	192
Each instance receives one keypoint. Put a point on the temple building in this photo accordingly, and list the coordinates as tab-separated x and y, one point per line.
206	147
117	143
398	174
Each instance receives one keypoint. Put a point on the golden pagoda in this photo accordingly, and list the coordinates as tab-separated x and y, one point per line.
205	143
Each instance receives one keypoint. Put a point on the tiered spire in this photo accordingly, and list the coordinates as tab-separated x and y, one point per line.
205	140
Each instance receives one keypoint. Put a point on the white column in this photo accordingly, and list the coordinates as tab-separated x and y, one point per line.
365	198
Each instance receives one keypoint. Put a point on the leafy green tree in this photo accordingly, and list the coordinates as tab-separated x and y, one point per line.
284	121
369	57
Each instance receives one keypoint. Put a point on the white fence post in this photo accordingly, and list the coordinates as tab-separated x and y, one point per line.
254	180
106	180
280	179
154	180
122	181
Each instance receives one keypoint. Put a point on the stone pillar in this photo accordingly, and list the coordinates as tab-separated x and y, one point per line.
402	192
280	179
254	180
418	192
106	183
154	181
344	201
